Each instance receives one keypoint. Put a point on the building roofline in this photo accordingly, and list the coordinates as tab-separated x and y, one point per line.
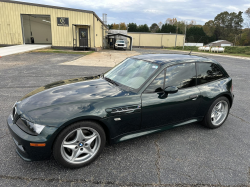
153	33
125	35
56	7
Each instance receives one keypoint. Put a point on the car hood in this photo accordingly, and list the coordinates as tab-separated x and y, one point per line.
69	91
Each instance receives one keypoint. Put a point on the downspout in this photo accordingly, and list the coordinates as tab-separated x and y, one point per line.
161	41
94	29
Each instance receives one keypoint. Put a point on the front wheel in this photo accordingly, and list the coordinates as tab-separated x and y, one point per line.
217	113
79	144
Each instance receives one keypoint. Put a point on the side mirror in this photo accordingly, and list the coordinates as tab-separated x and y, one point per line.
171	89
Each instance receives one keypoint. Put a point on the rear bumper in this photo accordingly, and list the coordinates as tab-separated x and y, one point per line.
22	142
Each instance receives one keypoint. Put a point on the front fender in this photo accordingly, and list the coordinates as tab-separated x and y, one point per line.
58	115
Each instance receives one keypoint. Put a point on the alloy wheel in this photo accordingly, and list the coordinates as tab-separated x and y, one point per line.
80	145
219	113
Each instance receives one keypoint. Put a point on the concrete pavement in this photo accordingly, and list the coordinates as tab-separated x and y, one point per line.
4	51
185	156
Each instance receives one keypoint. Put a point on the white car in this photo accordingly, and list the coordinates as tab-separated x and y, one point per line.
120	44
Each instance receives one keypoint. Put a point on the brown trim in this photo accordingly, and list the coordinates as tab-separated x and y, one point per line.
55	7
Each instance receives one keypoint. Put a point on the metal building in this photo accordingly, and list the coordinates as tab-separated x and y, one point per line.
220	43
27	23
156	40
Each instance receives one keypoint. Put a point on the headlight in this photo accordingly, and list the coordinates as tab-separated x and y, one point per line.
35	127
115	44
29	127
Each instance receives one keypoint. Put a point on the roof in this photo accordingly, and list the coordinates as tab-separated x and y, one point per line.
163	59
155	33
218	41
109	34
56	7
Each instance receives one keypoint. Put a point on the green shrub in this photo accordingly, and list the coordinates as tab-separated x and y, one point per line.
237	50
231	50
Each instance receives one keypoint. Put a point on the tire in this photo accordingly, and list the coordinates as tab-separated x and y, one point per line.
214	117
79	144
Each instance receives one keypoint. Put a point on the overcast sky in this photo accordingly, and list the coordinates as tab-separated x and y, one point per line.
153	11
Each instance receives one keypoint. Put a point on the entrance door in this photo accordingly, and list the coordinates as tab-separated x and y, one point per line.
83	37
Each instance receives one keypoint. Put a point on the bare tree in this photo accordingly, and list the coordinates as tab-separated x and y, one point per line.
192	22
160	24
247	22
171	21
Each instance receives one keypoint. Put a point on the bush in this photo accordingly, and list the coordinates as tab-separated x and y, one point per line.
231	50
194	48
237	50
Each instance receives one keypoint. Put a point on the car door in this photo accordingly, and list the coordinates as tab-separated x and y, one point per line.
173	108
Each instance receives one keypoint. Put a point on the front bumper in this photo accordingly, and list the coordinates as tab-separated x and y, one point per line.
22	141
121	47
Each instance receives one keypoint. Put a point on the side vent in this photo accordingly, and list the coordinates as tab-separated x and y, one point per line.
123	110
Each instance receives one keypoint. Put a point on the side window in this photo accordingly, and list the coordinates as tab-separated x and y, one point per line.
181	75
207	72
157	84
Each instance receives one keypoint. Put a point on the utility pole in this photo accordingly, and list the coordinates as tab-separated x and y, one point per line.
185	35
176	34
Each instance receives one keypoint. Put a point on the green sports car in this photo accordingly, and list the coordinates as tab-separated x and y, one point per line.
73	119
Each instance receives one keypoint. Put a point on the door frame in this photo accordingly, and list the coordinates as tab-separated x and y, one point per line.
41	15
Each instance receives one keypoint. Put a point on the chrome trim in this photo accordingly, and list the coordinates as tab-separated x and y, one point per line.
128	110
15	111
14	104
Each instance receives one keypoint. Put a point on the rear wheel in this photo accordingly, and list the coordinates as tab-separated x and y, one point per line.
217	113
79	144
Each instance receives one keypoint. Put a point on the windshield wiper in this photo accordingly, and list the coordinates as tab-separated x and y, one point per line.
111	81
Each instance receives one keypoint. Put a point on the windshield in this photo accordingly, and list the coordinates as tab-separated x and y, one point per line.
120	41
131	72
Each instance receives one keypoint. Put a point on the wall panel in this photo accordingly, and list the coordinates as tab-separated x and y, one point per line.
11	29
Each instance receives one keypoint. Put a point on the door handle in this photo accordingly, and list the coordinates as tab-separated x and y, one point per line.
193	97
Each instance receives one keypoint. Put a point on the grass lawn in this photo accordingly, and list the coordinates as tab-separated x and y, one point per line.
195	49
63	51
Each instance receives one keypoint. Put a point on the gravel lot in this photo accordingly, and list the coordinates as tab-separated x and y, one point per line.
185	156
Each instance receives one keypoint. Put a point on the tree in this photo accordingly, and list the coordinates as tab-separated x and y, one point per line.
115	26
247	13
196	34
143	28
167	28
132	27
154	27
245	40
209	28
228	25
110	26
192	22
171	21
123	26
160	25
